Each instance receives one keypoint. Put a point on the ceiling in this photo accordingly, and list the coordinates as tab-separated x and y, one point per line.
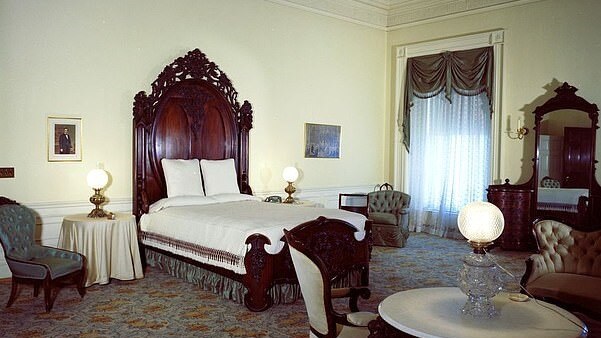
390	14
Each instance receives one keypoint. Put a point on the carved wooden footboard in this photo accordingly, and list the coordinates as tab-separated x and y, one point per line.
335	240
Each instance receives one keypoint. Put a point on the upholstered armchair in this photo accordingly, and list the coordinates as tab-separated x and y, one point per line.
35	264
567	268
389	211
315	281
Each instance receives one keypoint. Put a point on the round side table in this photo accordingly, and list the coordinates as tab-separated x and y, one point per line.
436	312
110	246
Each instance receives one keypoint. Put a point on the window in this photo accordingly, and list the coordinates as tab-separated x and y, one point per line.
449	161
454	140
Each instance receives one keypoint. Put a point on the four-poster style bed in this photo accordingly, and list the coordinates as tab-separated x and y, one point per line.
193	113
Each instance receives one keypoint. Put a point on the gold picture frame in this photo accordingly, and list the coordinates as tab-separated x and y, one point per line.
64	139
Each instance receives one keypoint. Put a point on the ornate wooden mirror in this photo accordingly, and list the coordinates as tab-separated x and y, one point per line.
564	183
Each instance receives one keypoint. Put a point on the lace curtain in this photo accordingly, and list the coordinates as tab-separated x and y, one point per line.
449	160
448	107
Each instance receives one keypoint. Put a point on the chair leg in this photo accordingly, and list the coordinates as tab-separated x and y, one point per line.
13	293
48	297
36	289
81	283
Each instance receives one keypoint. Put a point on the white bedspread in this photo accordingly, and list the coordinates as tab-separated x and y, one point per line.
224	224
560	199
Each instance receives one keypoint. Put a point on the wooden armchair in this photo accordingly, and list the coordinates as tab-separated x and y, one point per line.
311	258
35	264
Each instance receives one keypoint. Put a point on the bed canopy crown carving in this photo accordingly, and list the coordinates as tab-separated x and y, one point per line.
195	101
194	65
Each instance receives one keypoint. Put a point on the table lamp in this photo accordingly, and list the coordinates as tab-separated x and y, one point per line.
481	223
290	175
97	179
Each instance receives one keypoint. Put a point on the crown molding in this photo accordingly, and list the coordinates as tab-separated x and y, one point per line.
360	12
394	14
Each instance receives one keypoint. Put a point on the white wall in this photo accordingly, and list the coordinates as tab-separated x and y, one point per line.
88	59
546	43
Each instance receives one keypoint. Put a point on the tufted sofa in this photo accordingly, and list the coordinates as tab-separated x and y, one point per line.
389	211
567	269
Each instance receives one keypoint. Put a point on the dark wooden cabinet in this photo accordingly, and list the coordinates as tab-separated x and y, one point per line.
516	206
356	202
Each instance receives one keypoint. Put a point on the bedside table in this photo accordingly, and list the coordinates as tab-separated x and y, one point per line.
305	203
355	202
110	246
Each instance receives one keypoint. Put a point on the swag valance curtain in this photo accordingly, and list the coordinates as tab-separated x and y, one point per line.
467	72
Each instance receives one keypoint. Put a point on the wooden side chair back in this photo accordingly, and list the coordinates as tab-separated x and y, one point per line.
309	256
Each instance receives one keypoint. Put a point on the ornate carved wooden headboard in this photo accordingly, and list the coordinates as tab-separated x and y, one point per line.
192	112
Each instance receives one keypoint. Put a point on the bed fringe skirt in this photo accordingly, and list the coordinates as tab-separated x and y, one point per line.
216	283
229	288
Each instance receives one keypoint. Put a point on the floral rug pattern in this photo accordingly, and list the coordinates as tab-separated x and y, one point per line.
160	305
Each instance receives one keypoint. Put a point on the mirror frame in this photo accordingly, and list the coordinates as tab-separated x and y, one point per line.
566	99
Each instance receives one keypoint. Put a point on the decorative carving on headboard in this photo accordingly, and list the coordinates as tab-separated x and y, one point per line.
194	106
192	112
245	119
194	65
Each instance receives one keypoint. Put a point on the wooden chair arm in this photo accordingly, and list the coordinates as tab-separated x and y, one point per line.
535	267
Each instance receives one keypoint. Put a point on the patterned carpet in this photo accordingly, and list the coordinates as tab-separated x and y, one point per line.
161	305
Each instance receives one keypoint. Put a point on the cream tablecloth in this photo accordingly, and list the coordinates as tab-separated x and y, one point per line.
110	246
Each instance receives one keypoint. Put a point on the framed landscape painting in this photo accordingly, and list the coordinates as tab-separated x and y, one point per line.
64	139
322	141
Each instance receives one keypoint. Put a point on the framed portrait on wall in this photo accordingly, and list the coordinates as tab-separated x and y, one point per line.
322	141
64	139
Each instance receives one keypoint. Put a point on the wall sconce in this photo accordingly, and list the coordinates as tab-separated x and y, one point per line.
520	132
97	180
481	223
290	175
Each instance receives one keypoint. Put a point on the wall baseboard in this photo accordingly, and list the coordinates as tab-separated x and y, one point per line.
50	214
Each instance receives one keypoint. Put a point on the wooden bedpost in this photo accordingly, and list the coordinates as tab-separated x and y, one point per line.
370	245
259	274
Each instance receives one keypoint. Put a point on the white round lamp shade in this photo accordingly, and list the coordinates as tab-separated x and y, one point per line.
97	179
481	222
290	174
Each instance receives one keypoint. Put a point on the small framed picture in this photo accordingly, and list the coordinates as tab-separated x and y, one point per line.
322	141
64	139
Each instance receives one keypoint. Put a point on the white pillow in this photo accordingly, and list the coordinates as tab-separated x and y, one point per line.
219	176
182	177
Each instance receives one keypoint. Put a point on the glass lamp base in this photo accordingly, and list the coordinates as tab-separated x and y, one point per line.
480	280
479	307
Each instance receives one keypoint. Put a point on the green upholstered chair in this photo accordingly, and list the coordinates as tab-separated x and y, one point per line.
36	264
389	211
309	256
